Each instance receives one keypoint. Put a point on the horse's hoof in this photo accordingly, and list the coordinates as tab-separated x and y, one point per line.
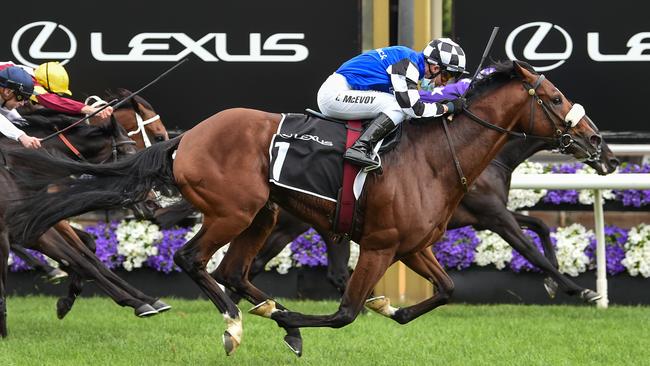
551	287
230	343
145	310
161	306
264	309
56	276
63	307
381	305
294	343
590	296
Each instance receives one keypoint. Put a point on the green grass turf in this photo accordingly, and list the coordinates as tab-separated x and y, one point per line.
97	332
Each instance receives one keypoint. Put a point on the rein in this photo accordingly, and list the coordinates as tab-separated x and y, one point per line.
563	139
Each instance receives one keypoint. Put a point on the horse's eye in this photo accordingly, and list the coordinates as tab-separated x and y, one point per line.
556	100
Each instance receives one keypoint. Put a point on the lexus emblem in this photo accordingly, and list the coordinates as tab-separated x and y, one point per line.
530	52
36	52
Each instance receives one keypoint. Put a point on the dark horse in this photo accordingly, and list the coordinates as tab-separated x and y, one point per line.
221	167
62	243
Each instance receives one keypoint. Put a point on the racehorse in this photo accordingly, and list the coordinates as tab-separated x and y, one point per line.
484	207
221	167
63	243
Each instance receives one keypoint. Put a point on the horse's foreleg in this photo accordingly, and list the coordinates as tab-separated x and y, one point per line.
371	266
192	258
4	267
510	231
544	233
425	264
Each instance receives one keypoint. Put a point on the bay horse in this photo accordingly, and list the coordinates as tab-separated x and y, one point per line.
221	167
62	243
484	207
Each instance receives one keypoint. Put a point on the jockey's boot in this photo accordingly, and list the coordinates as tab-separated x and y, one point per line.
360	153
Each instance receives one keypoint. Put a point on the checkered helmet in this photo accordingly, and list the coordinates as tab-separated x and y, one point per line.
447	54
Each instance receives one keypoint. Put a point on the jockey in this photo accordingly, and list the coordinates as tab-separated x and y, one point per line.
52	86
382	84
16	86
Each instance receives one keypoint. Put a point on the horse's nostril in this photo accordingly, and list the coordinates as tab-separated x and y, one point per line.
160	138
614	162
595	140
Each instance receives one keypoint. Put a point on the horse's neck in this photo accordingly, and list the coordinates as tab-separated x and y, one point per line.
515	151
475	145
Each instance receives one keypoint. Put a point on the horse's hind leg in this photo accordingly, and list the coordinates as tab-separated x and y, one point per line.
371	266
54	275
425	264
64	304
4	267
233	270
338	256
544	233
194	256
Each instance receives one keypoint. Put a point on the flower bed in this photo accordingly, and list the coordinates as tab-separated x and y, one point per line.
135	244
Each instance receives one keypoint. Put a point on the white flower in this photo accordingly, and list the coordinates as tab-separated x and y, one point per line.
637	251
492	250
282	261
571	242
136	242
586	196
518	198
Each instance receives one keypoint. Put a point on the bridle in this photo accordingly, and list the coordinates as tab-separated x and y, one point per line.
141	123
115	145
562	140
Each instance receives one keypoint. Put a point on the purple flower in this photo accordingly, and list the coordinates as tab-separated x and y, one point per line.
456	249
309	249
632	197
106	241
615	239
556	196
20	265
172	241
519	263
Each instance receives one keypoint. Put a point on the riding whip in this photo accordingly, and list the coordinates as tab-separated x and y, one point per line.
486	52
114	103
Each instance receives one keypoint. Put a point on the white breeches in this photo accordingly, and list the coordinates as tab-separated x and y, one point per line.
337	100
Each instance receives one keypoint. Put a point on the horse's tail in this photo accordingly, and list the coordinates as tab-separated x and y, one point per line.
104	186
172	215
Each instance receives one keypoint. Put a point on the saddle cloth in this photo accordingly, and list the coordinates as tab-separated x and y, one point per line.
307	155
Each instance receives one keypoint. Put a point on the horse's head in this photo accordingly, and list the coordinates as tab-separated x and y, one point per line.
551	115
141	121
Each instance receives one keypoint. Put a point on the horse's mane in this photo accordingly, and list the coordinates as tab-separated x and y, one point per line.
121	93
504	71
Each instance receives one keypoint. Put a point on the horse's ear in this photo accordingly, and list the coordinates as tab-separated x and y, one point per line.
520	69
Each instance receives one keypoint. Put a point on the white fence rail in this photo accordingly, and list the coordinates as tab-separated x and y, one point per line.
595	183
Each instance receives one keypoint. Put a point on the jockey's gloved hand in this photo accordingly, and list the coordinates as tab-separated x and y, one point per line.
456	106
